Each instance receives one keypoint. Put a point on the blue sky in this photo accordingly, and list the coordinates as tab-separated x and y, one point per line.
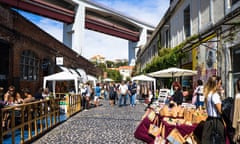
148	11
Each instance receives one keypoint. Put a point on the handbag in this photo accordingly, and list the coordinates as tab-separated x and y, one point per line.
191	139
215	136
141	131
160	139
154	128
175	137
151	115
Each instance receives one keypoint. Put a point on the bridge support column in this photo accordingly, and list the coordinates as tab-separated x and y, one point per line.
73	34
133	47
131	53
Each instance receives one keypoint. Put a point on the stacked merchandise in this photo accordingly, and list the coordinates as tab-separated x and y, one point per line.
163	123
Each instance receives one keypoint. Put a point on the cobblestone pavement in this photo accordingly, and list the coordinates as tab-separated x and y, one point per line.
100	125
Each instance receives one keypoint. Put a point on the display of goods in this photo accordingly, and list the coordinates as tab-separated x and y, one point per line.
188	112
165	111
198	116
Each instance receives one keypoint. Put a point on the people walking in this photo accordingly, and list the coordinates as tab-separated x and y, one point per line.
87	97
123	90
198	98
214	123
97	92
133	93
112	93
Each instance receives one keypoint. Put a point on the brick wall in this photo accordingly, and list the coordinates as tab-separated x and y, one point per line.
21	34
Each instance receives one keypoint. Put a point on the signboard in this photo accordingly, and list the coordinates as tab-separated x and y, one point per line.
59	60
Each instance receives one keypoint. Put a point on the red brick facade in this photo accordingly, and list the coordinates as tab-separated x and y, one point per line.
18	34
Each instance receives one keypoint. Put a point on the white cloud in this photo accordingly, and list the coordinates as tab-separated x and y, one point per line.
105	45
147	11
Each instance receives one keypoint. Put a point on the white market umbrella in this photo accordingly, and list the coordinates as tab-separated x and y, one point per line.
173	72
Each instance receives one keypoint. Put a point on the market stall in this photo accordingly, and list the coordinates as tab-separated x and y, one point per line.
146	79
171	123
62	76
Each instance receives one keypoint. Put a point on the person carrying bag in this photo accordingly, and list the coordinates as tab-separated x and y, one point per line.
213	129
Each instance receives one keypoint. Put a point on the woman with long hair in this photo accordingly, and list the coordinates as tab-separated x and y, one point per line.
214	122
178	95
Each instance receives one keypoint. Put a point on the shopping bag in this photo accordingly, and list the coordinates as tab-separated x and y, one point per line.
154	128
151	115
215	137
175	137
160	139
141	131
191	139
165	111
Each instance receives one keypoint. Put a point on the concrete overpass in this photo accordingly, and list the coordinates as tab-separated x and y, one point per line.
80	14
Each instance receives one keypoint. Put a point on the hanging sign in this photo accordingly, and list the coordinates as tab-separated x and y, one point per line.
59	60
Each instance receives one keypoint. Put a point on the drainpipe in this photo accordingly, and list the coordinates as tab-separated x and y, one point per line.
211	12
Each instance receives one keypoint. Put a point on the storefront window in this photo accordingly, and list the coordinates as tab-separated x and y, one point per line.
29	65
236	59
235	1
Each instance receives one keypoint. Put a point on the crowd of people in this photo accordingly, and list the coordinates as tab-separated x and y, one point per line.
208	95
121	94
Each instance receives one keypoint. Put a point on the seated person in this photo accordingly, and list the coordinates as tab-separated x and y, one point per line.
11	93
28	96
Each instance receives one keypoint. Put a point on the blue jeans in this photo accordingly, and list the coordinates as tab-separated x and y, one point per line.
132	99
199	103
105	95
124	98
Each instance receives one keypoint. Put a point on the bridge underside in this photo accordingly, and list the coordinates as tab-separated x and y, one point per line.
64	11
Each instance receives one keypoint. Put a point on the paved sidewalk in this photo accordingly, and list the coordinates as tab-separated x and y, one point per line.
101	125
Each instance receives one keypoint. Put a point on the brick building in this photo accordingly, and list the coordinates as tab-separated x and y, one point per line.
28	53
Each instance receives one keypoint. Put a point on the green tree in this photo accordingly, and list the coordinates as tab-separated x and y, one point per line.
110	64
114	74
168	57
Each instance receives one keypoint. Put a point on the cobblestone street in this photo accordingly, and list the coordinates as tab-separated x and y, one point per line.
101	125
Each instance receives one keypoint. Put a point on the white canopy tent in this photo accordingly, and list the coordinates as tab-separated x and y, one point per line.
108	80
83	74
145	78
78	71
92	79
62	76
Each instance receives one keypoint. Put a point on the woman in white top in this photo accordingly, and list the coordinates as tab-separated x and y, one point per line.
214	121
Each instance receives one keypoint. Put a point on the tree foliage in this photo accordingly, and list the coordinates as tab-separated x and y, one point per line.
114	74
168	57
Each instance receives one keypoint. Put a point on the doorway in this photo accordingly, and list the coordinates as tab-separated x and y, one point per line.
4	64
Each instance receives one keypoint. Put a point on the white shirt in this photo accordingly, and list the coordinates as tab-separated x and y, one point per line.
212	100
123	89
